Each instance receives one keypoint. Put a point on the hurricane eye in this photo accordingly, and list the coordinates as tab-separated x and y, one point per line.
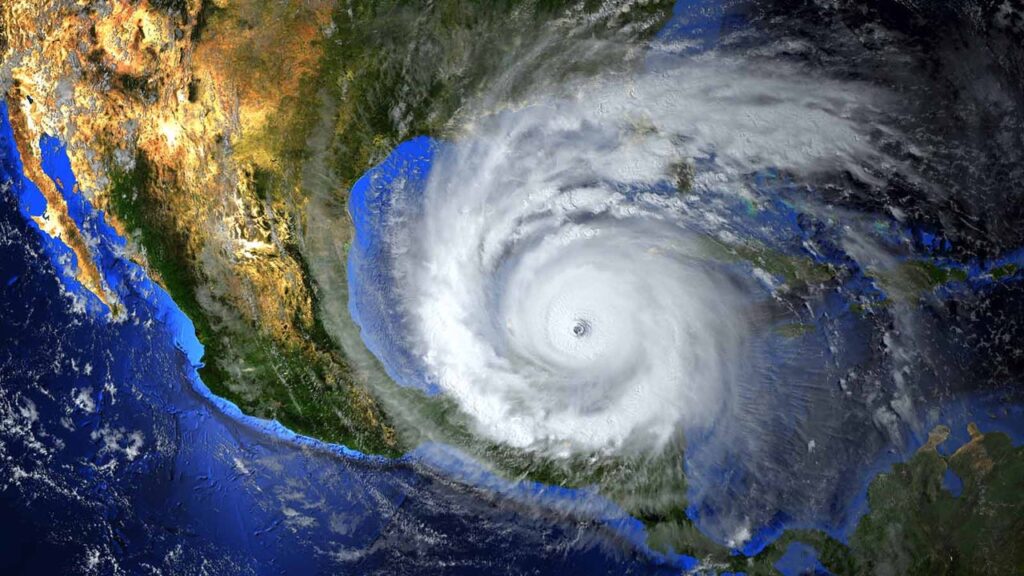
581	328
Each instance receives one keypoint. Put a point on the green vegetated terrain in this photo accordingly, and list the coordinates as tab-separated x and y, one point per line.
314	395
916	526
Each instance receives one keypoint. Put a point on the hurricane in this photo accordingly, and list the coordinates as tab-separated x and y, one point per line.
556	274
686	253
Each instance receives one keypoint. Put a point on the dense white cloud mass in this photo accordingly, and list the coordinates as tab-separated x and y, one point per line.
555	281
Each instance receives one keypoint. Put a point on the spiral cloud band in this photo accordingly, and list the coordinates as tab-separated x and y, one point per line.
554	273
